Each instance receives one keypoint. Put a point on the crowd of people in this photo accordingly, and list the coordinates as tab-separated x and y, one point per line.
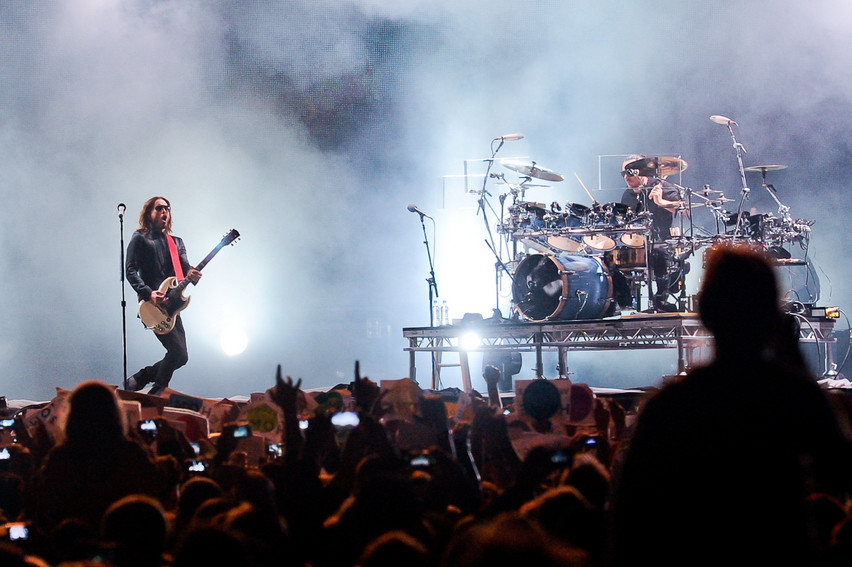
744	461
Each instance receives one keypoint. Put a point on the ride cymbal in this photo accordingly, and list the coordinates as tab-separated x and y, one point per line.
657	166
764	168
532	170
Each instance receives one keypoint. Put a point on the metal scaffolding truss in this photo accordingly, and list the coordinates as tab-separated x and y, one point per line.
682	331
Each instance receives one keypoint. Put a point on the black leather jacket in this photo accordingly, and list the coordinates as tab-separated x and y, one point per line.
149	262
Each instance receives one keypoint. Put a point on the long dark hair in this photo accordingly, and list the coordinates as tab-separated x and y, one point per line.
94	418
145	216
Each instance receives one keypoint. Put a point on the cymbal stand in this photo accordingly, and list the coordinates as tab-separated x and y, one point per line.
489	242
740	150
783	209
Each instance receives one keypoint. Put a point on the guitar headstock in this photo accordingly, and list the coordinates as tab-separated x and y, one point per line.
229	238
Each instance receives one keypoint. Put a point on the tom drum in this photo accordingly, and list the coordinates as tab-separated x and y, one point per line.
575	215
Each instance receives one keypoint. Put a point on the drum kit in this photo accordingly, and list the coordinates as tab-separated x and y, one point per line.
568	259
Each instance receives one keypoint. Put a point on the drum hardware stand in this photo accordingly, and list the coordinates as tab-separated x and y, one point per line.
489	242
740	150
539	361
498	265
685	194
649	251
562	371
716	209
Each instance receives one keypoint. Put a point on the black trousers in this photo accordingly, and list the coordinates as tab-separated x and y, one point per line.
176	356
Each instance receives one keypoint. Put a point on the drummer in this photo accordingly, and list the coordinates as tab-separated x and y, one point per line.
657	196
661	199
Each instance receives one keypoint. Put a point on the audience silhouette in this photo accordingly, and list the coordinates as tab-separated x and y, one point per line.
720	465
740	462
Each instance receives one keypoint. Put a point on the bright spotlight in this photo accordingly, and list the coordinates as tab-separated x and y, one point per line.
470	341
233	340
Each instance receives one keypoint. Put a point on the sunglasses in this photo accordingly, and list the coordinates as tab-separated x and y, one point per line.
160	208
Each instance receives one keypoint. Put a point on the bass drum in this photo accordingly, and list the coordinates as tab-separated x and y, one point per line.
564	287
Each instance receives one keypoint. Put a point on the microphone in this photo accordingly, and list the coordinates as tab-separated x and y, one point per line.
121	209
723	120
415	209
510	137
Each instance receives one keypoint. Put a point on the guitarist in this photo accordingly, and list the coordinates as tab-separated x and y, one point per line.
149	262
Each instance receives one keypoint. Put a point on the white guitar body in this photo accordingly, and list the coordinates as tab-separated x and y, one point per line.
158	319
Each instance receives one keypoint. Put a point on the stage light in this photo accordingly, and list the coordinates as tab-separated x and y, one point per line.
233	341
470	341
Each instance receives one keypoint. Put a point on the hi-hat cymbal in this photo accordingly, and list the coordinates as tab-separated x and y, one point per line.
658	166
764	168
532	170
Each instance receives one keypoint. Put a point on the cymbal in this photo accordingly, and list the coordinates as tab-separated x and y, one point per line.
764	168
523	185
658	166
532	170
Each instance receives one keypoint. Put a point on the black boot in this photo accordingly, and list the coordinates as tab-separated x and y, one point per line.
136	382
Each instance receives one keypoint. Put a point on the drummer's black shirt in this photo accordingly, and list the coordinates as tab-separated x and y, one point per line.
661	219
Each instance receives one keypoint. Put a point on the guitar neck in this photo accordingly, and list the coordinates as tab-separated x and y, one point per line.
225	241
209	257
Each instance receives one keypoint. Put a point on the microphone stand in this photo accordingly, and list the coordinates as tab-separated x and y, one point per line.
433	288
121	209
433	285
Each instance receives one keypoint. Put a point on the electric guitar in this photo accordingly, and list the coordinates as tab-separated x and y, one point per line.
161	318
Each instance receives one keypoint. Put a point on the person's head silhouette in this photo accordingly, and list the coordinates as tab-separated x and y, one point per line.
739	301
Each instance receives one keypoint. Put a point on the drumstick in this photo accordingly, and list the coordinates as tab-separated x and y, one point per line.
583	185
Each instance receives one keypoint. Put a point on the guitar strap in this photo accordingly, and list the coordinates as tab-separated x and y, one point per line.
175	258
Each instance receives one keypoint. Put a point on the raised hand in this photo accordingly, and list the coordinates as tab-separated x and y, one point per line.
492	378
365	391
285	393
